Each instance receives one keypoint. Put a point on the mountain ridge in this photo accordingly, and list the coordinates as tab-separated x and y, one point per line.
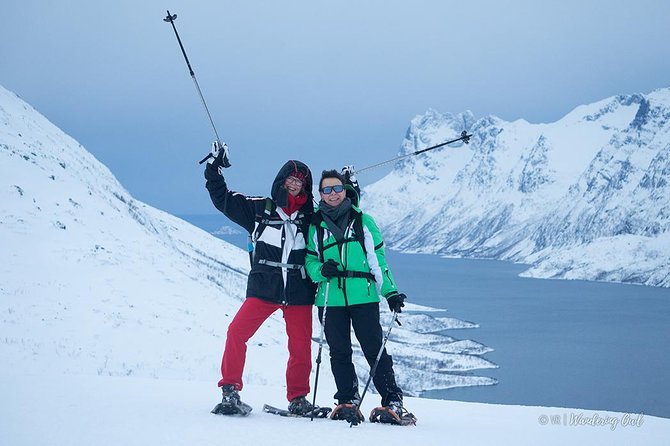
532	193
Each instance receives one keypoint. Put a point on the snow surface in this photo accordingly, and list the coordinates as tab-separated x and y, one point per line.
102	410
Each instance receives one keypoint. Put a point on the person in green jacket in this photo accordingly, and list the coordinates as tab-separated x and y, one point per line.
345	249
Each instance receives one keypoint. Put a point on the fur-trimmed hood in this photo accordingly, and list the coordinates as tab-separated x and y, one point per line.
298	169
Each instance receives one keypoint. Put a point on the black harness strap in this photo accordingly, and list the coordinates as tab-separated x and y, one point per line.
359	236
263	220
358	274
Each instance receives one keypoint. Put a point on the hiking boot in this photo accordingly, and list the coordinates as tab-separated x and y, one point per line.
300	406
396	407
230	403
230	395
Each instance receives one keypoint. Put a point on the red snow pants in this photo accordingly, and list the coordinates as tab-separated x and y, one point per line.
246	322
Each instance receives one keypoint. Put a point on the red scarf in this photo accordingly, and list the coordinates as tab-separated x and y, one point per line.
295	203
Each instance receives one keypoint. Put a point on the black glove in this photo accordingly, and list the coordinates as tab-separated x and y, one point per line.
396	301
329	269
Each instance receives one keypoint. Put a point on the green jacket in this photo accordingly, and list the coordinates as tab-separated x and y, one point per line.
350	256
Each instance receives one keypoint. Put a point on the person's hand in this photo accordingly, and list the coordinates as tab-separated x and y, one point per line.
396	301
329	269
219	155
348	172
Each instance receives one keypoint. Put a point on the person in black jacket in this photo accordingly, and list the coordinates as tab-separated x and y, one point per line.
277	279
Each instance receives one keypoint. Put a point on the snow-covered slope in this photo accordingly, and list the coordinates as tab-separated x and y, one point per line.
132	411
95	282
586	197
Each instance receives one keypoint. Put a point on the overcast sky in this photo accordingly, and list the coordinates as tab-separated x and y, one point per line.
326	82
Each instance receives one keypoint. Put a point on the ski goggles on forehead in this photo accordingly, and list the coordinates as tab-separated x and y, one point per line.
327	190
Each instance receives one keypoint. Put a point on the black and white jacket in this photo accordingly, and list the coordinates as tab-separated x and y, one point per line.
281	242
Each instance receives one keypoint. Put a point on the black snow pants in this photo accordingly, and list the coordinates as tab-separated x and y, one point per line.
365	320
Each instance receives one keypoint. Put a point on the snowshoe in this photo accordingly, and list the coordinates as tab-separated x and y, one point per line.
316	412
394	413
300	406
348	412
231	403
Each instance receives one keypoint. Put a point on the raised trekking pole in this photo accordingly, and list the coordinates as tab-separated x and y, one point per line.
379	355
464	137
171	18
318	355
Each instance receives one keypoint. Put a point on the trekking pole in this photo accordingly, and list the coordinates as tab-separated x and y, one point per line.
379	355
318	356
464	137
171	18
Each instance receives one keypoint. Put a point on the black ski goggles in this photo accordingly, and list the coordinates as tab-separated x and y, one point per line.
330	189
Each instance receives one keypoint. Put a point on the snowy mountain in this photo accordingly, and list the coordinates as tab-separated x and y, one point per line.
94	282
586	197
